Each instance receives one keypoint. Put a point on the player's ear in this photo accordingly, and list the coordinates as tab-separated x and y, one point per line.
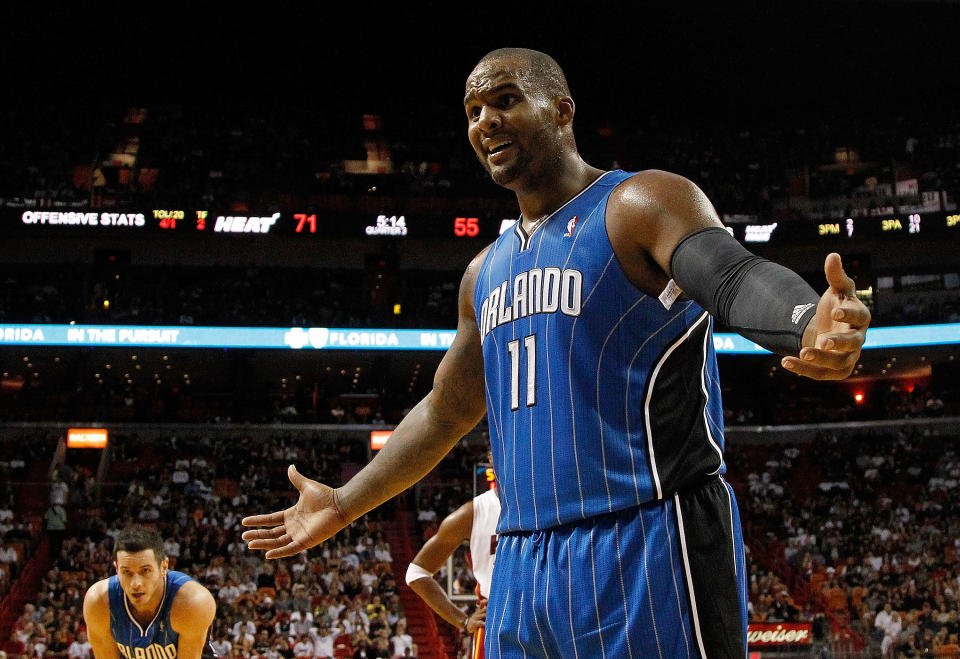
565	110
115	568
165	564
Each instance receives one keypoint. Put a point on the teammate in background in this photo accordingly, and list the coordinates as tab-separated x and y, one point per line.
475	521
585	336
146	611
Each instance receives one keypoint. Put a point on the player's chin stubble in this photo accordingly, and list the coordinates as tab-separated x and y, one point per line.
503	176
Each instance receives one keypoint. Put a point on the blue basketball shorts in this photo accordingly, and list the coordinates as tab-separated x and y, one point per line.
665	579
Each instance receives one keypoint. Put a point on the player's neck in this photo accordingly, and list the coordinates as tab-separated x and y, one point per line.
145	613
540	198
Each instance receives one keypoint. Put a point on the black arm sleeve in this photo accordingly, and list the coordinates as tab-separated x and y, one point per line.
761	300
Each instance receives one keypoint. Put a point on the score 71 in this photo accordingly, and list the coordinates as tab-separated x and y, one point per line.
303	218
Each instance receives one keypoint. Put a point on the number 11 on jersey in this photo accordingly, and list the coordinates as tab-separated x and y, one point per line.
530	347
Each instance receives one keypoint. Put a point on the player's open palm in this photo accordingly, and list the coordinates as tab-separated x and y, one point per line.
314	518
836	333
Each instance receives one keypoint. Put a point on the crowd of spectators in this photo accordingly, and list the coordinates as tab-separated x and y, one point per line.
864	527
19	533
287	297
923	310
746	406
213	386
242	155
225	296
846	532
343	594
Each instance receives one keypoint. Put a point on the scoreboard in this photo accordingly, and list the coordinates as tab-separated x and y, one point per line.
308	224
395	224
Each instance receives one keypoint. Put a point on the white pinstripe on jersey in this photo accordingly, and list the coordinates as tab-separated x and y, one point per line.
668	525
646	575
733	541
650	389
553	462
603	452
570	591
626	402
623	589
706	398
596	600
694	614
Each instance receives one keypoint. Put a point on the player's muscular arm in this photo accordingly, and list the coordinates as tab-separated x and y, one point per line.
96	615
650	213
662	223
454	529
454	406
191	615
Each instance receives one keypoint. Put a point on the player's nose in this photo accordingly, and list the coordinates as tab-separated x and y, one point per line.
489	119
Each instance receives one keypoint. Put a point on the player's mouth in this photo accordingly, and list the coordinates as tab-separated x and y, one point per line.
498	150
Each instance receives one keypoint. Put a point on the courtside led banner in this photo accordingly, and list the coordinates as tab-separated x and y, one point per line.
332	338
87	438
779	633
297	338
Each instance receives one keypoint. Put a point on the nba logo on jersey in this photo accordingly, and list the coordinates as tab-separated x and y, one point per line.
571	225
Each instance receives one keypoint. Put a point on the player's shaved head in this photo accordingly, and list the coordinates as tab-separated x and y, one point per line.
534	66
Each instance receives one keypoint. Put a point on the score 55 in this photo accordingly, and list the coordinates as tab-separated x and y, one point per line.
466	226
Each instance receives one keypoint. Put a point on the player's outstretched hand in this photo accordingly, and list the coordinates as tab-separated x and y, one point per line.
315	517
477	619
835	335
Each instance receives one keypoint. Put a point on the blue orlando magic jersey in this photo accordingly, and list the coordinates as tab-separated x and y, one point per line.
598	397
155	641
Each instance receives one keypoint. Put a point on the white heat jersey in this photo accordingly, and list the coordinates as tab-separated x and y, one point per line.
483	539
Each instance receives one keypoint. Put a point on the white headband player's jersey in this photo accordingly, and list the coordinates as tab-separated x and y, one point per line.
483	539
598	397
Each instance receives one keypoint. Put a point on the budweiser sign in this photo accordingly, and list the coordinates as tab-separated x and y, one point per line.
779	633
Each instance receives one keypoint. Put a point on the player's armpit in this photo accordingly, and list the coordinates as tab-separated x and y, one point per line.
191	615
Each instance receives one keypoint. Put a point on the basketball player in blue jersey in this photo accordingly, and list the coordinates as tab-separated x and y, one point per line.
146	611
585	336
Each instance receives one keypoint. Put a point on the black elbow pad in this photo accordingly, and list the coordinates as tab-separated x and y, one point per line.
765	302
